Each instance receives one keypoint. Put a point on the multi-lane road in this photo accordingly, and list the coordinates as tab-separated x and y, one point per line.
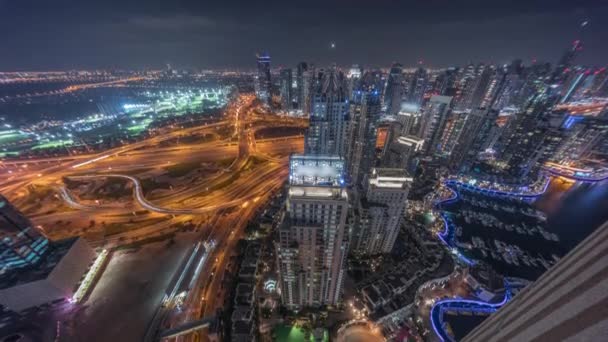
221	202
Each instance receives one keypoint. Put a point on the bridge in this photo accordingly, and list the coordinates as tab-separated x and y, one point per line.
189	327
575	173
463	305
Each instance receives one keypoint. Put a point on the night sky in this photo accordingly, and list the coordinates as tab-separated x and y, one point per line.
136	34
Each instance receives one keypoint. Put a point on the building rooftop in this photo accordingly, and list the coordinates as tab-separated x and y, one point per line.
39	271
390	178
316	170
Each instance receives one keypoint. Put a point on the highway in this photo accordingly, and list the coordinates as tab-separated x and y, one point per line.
239	176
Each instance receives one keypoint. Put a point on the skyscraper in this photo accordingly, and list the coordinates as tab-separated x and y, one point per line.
434	116
399	153
364	113
520	151
380	212
262	84
329	118
582	137
567	303
566	62
417	88
302	88
394	89
445	82
313	236
474	131
451	133
286	89
409	118
354	77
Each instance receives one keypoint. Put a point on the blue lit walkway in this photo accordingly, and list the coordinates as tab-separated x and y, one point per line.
464	305
524	193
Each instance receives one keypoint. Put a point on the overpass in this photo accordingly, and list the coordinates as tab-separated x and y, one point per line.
189	327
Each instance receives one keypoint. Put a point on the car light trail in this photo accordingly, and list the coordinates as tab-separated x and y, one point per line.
91	161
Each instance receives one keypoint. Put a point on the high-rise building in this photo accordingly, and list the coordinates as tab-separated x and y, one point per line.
474	86
499	130
599	87
434	116
364	113
417	88
262	83
567	303
313	236
21	245
520	153
573	82
329	118
399	153
566	62
451	133
303	88
354	78
582	136
286	89
394	89
408	118
380	212
473	134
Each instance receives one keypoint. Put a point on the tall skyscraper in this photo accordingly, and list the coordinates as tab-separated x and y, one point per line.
364	113
394	89
379	213
286	89
302	88
445	82
329	118
417	88
474	132
573	82
520	154
434	116
407	118
451	133
313	236
567	303
399	153
262	83
20	244
354	78
566	62
581	139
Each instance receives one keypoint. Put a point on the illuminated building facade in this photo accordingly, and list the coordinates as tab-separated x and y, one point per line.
21	245
313	236
35	271
286	89
379	213
434	116
329	119
394	89
365	113
262	84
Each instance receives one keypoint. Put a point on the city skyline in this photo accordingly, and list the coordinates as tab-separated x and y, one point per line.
193	35
229	179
